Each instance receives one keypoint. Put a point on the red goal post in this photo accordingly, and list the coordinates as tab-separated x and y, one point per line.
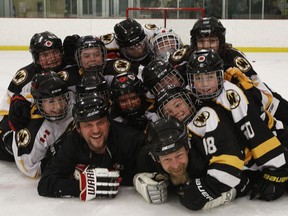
180	20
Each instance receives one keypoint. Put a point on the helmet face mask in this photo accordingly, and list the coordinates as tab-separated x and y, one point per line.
93	83
46	49
164	43
205	74
90	53
131	38
55	108
175	102
136	52
158	74
208	27
128	96
51	95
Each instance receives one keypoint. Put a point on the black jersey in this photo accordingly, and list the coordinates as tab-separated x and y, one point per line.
123	145
272	101
216	160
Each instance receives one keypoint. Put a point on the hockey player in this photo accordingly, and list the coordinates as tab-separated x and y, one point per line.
51	120
204	174
47	53
93	83
158	74
129	101
206	81
103	148
130	41
90	54
175	102
209	33
164	42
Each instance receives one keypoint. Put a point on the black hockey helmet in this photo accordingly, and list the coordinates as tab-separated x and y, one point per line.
157	71
207	27
89	42
90	107
205	62
180	99
129	33
166	136
49	85
93	83
126	83
43	41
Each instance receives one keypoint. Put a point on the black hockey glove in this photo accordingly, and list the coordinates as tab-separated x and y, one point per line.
244	186
69	45
19	112
272	184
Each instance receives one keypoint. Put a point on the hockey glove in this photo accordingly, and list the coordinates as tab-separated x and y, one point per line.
196	195
244	186
236	76
272	184
69	45
98	182
152	186
19	112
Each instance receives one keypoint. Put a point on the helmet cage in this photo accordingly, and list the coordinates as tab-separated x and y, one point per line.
91	42
62	100
167	80
44	41
164	43
191	77
126	83
126	51
171	94
92	83
207	27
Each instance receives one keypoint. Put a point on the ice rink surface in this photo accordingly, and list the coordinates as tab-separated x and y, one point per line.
18	194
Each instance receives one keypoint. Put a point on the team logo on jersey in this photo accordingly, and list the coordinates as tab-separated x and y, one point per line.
151	26
20	77
107	38
64	75
121	66
178	54
242	64
233	97
23	137
201	119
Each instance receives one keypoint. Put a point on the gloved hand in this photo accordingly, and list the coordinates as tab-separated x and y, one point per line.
152	186
244	186
236	76
98	182
19	112
272	184
69	45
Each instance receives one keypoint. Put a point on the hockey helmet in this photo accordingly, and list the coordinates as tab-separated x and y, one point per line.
166	136
47	86
205	62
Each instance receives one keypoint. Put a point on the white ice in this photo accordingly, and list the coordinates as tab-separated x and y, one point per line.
18	194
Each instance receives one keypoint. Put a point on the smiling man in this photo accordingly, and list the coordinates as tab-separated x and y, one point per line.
98	152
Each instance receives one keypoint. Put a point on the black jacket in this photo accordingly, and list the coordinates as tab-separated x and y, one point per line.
123	145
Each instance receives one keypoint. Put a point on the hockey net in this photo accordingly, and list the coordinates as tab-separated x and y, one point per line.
180	20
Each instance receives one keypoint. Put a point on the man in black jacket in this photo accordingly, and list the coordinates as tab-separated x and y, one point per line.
93	156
